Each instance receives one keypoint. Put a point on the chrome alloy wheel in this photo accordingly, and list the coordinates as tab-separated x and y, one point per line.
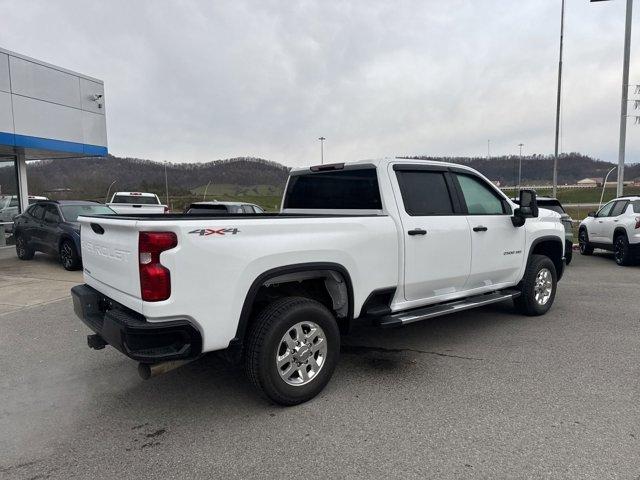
302	352
543	286
66	255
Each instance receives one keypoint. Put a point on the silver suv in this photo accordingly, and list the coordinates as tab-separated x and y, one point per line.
615	227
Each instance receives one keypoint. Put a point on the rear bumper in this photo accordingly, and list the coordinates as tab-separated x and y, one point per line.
131	333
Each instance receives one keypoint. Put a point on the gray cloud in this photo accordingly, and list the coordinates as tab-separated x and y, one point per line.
200	80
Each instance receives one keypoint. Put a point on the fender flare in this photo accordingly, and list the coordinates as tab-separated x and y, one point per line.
544	239
245	313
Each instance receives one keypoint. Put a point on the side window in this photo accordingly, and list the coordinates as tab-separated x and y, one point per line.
258	209
424	193
480	198
619	208
604	211
247	209
636	206
37	212
51	214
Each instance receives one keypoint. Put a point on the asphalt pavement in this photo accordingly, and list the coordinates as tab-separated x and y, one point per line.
481	394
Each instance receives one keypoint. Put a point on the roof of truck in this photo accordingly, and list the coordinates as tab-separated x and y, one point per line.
136	194
377	162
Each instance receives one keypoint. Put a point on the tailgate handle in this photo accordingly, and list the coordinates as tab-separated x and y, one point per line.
97	228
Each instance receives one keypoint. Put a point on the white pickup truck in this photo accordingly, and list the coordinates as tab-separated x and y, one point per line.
392	241
134	203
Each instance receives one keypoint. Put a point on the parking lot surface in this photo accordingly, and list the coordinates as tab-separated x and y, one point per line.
482	394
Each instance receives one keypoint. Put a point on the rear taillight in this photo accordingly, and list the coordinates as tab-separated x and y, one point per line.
637	222
155	279
166	209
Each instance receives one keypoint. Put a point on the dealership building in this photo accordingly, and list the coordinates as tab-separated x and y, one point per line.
46	112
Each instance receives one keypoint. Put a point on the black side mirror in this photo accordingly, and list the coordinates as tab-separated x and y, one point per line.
591	214
528	207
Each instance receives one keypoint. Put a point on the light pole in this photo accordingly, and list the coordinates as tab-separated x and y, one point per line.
106	199
204	197
520	168
322	139
604	185
558	97
625	95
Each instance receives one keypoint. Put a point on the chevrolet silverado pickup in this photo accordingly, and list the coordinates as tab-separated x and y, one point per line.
134	203
391	241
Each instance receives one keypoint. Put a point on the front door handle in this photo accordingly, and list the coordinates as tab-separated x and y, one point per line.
417	231
480	228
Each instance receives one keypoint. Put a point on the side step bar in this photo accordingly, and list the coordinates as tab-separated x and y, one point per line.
415	315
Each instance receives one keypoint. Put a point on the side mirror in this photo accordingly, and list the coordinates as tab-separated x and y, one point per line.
591	214
528	207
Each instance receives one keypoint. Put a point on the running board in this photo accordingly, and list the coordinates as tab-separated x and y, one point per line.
418	314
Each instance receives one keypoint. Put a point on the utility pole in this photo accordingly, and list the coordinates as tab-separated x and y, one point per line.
520	168
555	154
625	98
625	95
322	139
488	149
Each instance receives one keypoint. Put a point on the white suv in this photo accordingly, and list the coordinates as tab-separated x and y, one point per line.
615	227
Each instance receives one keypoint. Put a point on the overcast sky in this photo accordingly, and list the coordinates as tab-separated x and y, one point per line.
203	80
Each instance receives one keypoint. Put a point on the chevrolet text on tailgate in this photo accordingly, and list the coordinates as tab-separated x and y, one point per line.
391	241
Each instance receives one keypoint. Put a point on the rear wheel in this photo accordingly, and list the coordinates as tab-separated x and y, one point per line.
583	240
621	250
292	350
538	287
568	252
23	251
69	256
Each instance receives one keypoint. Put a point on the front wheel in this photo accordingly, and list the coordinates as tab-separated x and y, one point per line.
292	350
538	287
69	256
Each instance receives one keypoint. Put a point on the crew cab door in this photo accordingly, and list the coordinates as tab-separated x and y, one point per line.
437	240
497	246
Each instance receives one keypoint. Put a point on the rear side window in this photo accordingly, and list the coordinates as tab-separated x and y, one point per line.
424	193
37	211
636	206
619	208
335	190
480	198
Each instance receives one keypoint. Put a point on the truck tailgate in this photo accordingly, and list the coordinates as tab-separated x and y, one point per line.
110	253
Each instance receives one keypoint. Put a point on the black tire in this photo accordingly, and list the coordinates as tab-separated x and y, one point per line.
568	252
583	241
68	255
265	342
527	303
23	251
621	250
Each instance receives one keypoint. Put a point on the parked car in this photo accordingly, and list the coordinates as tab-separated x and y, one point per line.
9	208
126	203
394	241
614	227
203	208
554	204
52	227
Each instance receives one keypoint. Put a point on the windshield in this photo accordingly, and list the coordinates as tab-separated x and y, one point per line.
72	212
136	199
4	202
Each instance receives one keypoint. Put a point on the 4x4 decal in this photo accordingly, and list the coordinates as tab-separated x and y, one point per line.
203	232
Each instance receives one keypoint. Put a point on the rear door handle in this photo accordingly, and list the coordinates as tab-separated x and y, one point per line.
480	228
417	231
